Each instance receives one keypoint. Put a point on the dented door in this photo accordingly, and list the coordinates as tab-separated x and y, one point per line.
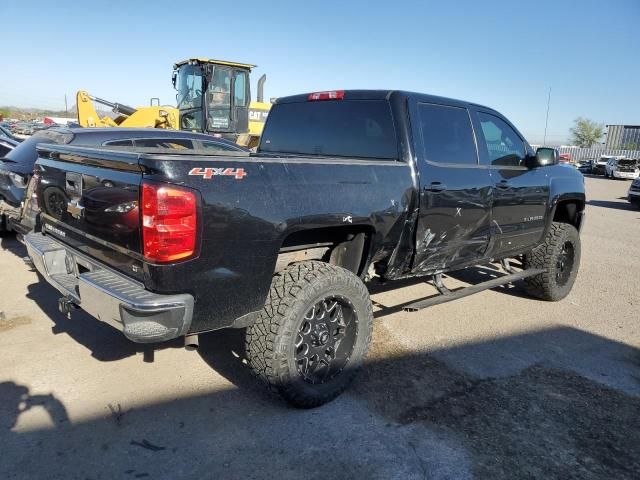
455	191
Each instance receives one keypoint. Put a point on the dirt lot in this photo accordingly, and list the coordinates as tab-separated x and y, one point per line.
496	385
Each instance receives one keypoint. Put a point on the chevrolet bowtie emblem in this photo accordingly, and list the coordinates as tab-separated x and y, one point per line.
74	209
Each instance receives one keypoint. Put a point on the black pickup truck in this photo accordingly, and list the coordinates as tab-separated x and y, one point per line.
346	186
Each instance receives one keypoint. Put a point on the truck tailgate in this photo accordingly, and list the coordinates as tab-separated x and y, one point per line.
89	200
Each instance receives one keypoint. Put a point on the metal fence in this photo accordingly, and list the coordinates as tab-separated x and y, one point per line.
578	154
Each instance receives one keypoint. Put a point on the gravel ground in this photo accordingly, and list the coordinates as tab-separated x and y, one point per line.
496	385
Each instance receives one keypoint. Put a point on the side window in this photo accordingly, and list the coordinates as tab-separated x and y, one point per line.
173	143
447	134
504	146
240	89
215	146
119	143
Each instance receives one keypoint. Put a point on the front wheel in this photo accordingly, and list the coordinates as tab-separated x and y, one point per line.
313	333
559	256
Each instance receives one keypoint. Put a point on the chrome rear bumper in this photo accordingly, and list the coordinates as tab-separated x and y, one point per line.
143	316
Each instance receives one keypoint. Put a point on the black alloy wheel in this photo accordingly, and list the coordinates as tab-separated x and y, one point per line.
324	342
564	263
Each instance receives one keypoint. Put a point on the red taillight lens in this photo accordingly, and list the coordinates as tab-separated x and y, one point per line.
169	222
331	95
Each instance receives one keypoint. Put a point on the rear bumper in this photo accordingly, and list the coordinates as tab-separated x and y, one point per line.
627	175
142	316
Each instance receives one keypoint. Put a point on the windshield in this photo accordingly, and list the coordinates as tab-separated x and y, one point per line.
190	85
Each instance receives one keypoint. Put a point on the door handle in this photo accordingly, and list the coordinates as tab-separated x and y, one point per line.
436	187
503	185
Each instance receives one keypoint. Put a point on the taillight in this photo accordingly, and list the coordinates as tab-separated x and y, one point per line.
330	95
169	222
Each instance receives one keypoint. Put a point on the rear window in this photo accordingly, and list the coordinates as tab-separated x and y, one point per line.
170	143
344	128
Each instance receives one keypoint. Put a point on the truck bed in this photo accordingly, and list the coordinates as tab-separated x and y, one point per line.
249	205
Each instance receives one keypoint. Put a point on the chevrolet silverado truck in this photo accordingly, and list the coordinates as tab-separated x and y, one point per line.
345	187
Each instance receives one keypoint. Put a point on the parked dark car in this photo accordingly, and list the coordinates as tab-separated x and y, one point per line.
633	194
17	166
5	132
586	166
345	186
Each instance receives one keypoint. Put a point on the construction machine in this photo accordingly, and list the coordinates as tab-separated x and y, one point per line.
214	97
153	116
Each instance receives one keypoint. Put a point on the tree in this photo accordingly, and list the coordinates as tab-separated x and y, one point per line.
586	133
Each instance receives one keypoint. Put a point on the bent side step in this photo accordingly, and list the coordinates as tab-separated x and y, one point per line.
466	291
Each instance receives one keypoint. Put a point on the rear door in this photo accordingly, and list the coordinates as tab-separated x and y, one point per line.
455	190
521	194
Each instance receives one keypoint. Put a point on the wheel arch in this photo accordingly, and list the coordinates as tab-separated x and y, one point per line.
347	246
569	209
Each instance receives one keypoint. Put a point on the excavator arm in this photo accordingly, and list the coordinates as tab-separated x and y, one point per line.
143	117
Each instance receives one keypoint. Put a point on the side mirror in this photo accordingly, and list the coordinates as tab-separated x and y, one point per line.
174	77
544	156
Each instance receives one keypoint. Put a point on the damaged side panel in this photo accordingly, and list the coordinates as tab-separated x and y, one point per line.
454	225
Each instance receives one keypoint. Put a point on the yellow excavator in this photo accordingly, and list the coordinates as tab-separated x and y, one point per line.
141	117
214	97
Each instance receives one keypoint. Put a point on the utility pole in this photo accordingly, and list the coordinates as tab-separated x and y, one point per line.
66	109
546	122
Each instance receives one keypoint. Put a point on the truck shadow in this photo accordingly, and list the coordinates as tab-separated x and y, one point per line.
105	342
556	403
612	204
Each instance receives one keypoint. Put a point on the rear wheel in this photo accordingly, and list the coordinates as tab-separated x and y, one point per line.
55	202
313	333
559	256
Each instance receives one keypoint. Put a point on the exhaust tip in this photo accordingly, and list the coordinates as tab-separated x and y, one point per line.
191	342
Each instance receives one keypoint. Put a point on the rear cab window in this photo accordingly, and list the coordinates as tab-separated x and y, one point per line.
119	143
339	128
169	143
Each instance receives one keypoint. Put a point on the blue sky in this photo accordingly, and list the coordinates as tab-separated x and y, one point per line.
504	54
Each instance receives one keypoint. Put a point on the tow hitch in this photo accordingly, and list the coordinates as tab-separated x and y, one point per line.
66	306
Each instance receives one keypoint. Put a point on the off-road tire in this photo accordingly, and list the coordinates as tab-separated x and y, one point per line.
270	342
547	256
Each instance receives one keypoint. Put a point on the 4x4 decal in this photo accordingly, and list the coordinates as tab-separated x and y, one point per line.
208	173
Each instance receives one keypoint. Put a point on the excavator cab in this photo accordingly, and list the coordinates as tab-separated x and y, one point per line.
213	96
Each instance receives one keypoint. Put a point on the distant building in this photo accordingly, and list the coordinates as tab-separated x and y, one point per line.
623	136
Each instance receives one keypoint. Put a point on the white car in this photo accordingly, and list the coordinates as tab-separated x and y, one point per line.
622	168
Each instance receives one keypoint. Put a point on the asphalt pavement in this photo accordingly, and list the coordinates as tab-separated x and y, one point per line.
496	385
